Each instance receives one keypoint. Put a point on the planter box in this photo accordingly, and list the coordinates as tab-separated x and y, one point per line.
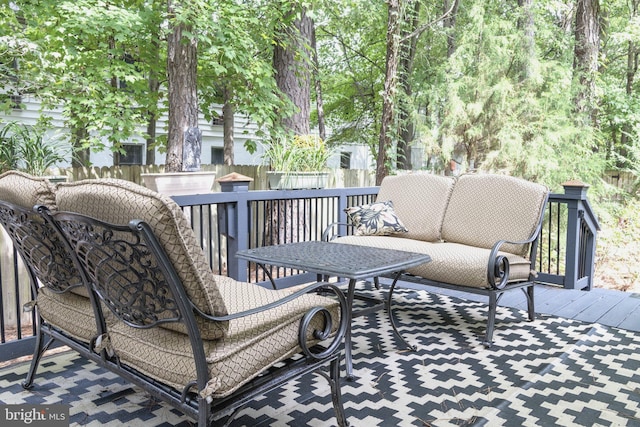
179	183
297	180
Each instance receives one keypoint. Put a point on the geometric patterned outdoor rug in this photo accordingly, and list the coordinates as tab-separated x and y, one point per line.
550	372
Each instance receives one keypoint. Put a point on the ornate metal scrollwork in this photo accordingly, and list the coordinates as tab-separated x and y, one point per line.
124	272
40	245
500	271
305	323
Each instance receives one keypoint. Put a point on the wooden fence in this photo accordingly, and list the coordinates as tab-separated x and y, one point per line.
625	181
338	178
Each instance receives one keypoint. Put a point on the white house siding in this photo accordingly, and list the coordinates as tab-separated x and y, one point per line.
212	136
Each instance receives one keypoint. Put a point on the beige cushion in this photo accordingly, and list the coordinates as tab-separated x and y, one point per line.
70	312
252	344
484	209
118	202
420	201
450	262
25	190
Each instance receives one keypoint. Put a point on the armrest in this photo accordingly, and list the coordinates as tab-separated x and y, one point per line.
331	232
498	268
306	319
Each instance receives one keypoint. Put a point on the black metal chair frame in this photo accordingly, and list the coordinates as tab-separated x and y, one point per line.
497	276
86	239
139	250
49	264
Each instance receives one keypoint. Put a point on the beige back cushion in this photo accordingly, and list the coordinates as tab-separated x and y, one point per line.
484	209
118	202
419	200
26	190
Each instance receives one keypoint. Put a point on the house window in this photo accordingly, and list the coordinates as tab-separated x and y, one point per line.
217	156
345	160
132	154
16	102
217	120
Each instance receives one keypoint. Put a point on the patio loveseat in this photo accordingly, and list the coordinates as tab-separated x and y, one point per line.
205	344
480	230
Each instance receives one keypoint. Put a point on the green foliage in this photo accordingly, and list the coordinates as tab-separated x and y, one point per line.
73	52
302	153
483	105
31	148
476	99
352	63
8	148
235	56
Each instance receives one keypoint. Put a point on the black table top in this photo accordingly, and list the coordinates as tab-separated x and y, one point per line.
335	259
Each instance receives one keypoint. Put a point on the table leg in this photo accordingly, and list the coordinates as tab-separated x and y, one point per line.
269	276
390	313
347	337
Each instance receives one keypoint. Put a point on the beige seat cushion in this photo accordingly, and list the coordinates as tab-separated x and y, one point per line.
70	312
450	262
119	202
484	209
419	200
251	345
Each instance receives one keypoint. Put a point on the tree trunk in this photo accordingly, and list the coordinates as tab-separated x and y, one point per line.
291	59
82	156
449	24
151	139
390	88
154	87
405	119
292	73
526	24
632	68
182	62
227	126
450	10
586	49
318	86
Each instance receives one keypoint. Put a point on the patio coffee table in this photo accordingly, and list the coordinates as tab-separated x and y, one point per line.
341	260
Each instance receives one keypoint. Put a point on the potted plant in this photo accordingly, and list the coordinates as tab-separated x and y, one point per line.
297	162
32	150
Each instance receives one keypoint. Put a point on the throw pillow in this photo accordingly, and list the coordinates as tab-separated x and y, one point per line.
375	219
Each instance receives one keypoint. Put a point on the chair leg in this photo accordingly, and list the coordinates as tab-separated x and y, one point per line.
336	392
491	320
41	347
530	302
203	412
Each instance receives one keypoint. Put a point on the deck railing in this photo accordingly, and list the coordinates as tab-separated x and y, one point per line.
236	218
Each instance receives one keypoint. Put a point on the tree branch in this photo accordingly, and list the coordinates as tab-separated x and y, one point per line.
421	29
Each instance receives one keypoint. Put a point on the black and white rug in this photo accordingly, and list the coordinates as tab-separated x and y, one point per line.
551	372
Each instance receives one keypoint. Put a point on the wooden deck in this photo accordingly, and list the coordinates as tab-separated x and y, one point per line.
604	306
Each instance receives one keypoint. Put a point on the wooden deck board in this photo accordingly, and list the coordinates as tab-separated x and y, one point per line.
603	303
618	314
632	322
584	303
605	306
556	299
